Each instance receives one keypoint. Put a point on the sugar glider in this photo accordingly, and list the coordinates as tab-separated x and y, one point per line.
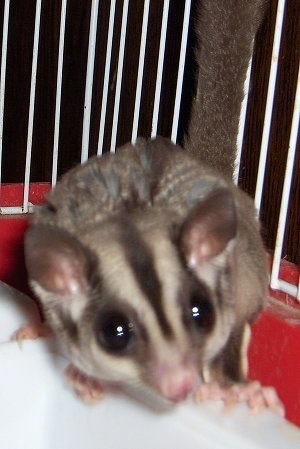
148	263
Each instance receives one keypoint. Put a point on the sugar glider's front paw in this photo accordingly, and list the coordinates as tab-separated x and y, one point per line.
87	388
32	332
259	398
256	396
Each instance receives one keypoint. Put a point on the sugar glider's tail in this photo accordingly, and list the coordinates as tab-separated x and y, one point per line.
225	33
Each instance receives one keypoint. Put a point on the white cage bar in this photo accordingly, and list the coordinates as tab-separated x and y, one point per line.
112	36
58	90
139	81
276	283
3	73
106	75
160	64
269	104
89	81
181	66
31	104
119	76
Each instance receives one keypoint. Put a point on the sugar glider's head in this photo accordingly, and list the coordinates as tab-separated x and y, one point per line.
138	301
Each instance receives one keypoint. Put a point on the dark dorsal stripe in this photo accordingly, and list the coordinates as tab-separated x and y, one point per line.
140	259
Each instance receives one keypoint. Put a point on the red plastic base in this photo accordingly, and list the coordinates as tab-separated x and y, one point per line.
274	355
274	359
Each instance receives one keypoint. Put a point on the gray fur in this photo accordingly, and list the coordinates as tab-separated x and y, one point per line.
233	273
225	32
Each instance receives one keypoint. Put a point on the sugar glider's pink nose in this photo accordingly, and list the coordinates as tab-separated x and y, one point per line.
176	385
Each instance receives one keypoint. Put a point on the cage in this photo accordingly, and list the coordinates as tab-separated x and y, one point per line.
81	78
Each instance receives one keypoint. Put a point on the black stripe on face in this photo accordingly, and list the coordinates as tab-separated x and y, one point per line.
140	259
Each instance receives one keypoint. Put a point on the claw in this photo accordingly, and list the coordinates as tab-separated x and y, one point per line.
88	389
31	332
256	396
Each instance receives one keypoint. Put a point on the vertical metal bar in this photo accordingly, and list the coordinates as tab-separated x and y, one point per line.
3	75
119	77
139	82
181	65
32	103
269	104
286	187
242	121
89	81
106	75
58	89
160	64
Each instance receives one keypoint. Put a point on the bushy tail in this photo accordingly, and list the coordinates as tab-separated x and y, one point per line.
225	32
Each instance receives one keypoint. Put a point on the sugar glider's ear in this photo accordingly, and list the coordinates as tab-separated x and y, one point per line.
57	264
209	228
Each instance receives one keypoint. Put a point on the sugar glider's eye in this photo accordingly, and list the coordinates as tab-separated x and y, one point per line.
115	332
202	312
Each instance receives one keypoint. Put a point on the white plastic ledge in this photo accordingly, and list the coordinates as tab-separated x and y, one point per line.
38	410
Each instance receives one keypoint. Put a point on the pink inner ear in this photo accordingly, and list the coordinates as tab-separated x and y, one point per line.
64	276
202	247
56	261
209	227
